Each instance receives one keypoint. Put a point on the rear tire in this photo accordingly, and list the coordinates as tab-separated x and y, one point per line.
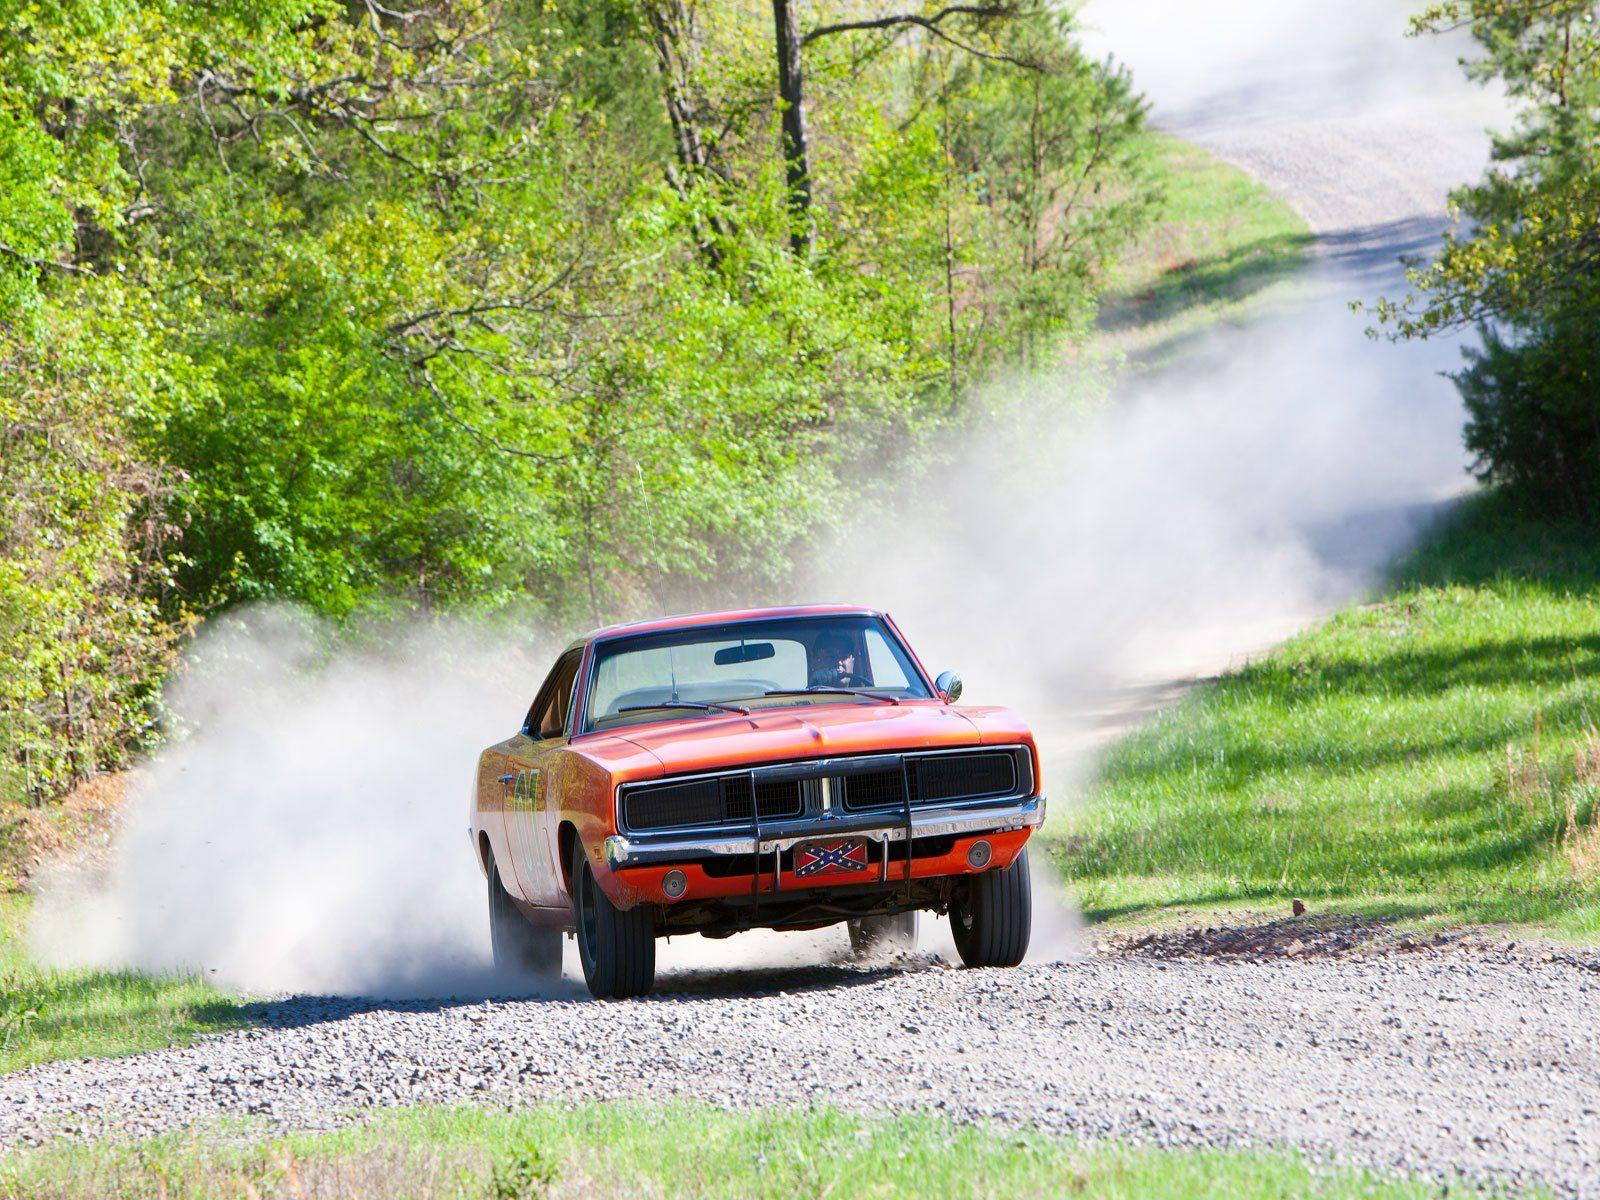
616	946
519	946
893	934
992	922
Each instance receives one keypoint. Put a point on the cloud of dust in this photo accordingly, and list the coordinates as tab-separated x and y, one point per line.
310	832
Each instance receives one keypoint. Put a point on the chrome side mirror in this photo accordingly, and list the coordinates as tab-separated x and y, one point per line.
948	685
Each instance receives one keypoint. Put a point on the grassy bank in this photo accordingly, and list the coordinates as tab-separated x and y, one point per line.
47	1014
1219	242
1431	754
678	1150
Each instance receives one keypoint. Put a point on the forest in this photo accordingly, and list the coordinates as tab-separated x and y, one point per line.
564	309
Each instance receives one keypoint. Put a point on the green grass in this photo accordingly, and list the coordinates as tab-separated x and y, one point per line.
670	1150
1422	756
1219	242
47	1014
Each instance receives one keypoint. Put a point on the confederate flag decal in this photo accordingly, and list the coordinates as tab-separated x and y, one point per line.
830	858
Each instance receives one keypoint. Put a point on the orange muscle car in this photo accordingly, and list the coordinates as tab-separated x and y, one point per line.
783	768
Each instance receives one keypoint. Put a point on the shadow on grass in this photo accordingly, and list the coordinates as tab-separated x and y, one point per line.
1222	278
1490	539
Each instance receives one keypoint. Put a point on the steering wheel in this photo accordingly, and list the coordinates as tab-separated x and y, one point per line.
847	680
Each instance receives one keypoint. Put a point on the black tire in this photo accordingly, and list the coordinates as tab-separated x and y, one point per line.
519	946
993	920
873	936
617	947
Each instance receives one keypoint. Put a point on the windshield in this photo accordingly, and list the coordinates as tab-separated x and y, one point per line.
749	665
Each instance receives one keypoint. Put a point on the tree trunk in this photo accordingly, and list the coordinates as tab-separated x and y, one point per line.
796	154
672	37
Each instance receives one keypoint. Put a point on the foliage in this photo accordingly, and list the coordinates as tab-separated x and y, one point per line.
527	1173
1533	402
377	307
81	534
1381	763
1527	267
622	1149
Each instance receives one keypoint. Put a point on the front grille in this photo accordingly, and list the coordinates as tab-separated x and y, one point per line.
934	779
883	788
719	801
944	777
872	783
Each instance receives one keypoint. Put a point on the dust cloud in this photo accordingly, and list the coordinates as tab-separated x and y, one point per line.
309	832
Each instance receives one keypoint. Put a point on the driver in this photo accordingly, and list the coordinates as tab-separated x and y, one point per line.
833	662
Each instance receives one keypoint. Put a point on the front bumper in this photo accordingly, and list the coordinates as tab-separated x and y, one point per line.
641	850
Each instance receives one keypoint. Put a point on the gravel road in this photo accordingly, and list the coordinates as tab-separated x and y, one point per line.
1430	1060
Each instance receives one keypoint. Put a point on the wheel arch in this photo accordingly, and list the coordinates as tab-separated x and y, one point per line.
566	839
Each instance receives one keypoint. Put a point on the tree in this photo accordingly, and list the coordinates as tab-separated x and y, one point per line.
1525	270
788	44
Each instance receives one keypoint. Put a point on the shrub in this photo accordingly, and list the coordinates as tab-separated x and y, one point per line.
1533	401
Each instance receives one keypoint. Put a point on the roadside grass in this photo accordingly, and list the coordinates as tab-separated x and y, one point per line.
47	1014
1434	754
1219	240
634	1149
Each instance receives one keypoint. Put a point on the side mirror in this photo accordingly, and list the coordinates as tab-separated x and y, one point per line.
948	685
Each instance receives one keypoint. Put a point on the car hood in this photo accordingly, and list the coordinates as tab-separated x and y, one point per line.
716	742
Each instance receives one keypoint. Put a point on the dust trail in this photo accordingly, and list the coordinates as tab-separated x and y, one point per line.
1082	562
310	834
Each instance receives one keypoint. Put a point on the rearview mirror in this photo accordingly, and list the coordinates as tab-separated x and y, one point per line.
948	685
742	653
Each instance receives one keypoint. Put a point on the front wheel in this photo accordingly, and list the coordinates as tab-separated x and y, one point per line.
872	936
617	947
992	920
519	947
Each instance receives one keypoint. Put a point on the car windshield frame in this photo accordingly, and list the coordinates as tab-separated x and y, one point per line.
586	721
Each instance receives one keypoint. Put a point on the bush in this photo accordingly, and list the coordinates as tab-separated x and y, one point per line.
1533	401
82	645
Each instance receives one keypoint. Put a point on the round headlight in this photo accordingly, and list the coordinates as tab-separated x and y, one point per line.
674	883
979	854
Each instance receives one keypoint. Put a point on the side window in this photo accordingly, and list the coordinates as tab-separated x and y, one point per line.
887	671
548	716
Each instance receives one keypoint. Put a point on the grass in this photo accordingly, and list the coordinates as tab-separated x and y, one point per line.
47	1014
1219	242
1431	755
630	1149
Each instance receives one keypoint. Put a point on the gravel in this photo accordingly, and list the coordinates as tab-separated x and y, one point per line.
1435	1059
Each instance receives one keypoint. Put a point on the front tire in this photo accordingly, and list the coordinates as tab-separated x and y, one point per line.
519	946
993	920
893	934
617	947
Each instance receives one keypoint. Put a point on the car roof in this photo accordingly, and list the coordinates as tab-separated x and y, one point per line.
690	620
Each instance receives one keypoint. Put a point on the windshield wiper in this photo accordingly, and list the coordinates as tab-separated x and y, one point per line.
694	704
824	690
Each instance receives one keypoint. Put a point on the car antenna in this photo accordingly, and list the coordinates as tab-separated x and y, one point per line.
672	670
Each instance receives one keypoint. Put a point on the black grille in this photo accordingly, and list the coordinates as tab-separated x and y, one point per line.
729	799
943	777
875	789
724	801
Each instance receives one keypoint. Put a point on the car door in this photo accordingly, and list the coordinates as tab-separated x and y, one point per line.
532	803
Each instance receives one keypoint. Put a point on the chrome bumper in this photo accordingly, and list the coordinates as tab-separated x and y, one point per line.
640	850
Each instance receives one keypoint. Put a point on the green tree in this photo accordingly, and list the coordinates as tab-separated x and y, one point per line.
1525	267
